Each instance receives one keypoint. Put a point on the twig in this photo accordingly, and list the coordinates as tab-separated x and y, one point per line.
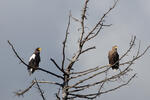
119	85
132	43
88	49
57	94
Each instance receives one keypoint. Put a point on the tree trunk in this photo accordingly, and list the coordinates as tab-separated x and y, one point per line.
64	88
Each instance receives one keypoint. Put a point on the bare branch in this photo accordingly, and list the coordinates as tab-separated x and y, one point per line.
75	19
106	79
58	76
91	69
41	92
90	48
132	43
17	54
88	72
21	93
119	85
139	48
64	43
57	94
49	82
95	34
57	65
83	17
101	86
99	25
83	80
89	96
136	57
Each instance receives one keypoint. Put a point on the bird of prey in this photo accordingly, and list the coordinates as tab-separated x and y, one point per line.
34	61
113	57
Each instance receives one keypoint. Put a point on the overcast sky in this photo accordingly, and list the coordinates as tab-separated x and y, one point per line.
42	23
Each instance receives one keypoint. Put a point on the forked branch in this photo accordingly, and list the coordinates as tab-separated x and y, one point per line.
22	92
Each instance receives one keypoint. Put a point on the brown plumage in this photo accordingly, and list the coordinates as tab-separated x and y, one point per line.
113	57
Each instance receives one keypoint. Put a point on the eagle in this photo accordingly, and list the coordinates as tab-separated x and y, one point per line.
113	57
34	61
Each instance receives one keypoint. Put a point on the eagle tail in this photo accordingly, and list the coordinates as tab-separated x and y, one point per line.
115	67
30	71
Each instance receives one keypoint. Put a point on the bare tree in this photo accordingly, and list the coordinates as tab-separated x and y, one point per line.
76	84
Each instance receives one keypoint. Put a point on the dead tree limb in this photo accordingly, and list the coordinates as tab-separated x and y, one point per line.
64	42
39	88
51	73
94	95
21	93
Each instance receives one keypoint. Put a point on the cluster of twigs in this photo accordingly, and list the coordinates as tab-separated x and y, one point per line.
83	83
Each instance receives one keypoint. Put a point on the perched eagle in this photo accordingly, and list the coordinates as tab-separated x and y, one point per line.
113	57
34	60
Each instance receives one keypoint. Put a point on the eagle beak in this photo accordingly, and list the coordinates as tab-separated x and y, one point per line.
40	49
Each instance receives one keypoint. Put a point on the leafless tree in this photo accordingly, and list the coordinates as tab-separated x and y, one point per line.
76	84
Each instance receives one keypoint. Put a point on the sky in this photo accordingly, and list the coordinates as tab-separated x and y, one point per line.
42	23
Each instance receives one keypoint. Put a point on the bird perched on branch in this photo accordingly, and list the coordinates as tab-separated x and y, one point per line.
113	57
34	61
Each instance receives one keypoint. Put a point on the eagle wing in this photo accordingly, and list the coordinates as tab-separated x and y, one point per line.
32	63
113	58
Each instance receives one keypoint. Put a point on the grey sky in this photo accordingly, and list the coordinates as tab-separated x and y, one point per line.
32	23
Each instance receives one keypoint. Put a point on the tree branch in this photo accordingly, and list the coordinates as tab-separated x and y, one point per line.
21	93
64	43
90	48
83	17
41	92
49	82
89	96
99	24
57	94
106	79
58	76
57	65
